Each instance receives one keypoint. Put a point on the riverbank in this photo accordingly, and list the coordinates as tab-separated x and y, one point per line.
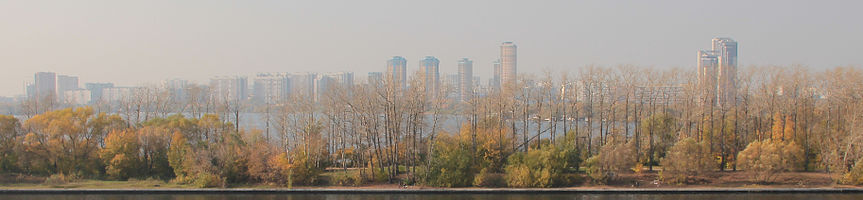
435	191
645	182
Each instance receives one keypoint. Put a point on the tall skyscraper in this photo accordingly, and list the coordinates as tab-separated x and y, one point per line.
495	80
465	79
430	70
717	71
397	68
45	86
508	64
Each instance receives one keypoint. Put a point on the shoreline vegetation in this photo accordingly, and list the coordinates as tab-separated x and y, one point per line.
718	181
627	128
723	182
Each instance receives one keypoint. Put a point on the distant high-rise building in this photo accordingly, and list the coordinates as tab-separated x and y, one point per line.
375	78
45	86
77	97
230	88
97	90
117	94
397	71
327	82
451	81
177	88
508	64
717	71
465	76
271	87
66	83
303	83
495	80
430	70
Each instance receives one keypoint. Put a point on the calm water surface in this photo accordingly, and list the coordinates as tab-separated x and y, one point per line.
856	196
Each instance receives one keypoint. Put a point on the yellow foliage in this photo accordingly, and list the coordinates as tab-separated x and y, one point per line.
855	176
767	158
121	154
492	144
687	158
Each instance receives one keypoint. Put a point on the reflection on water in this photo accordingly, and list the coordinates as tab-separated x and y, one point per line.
856	196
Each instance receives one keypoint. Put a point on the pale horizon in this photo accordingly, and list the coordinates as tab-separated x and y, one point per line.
133	43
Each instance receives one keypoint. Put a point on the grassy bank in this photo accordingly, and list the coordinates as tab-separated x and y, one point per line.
329	180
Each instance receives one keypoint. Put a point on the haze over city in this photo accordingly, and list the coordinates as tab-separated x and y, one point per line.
380	99
133	43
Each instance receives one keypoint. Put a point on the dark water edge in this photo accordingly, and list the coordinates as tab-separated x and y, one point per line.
539	196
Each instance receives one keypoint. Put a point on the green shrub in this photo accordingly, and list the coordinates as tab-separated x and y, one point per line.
487	179
613	158
60	179
299	170
206	180
544	167
343	180
360	178
380	175
687	158
452	165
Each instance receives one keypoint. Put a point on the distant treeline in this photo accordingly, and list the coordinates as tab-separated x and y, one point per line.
559	129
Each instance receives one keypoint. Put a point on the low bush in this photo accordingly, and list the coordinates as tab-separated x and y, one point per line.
297	170
60	179
544	167
765	159
855	176
613	158
343	179
452	165
487	179
206	180
687	158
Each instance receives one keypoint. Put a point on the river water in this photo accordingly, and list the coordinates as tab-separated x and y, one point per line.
707	196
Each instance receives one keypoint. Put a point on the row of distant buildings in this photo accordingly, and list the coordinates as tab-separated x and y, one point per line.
274	87
65	88
465	84
717	70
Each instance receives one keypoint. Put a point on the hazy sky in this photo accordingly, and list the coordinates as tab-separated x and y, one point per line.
131	43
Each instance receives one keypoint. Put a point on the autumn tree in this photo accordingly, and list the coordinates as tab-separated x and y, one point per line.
10	130
121	156
687	158
613	159
765	159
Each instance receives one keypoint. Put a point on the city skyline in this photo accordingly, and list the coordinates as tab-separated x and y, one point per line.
716	74
134	43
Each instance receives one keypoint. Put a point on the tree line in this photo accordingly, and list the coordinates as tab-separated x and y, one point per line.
557	129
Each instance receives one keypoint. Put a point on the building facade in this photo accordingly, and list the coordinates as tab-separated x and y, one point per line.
397	71
717	72
271	87
45	86
465	79
430	72
508	64
97	90
230	88
66	83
